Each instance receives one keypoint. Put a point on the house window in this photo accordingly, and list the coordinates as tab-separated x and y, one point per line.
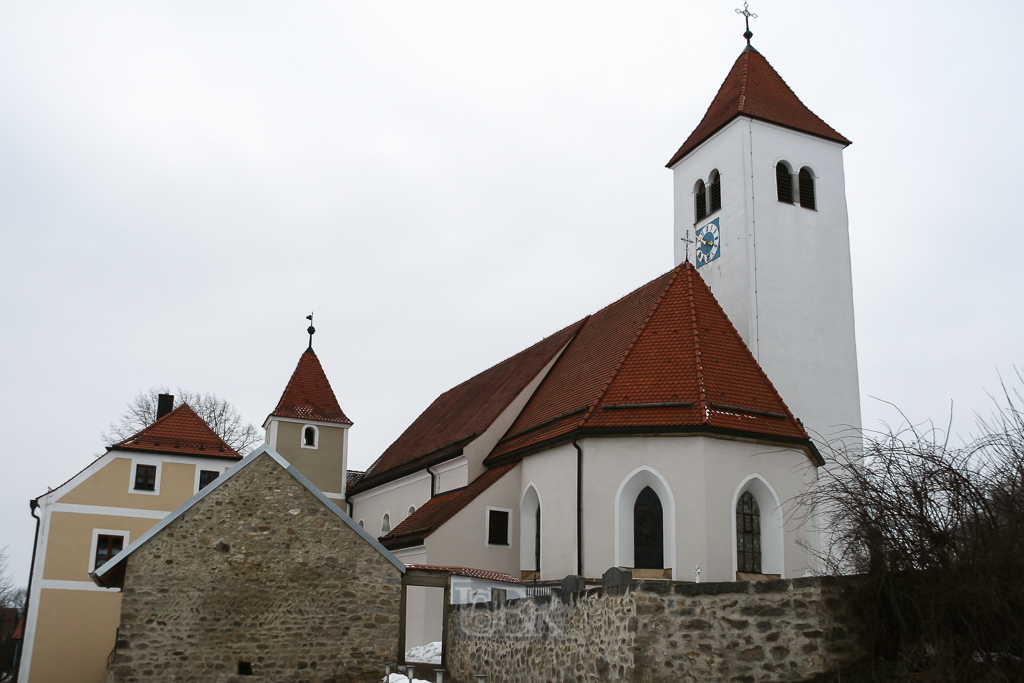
385	526
498	523
807	189
310	436
106	547
700	206
648	531
784	182
715	192
145	477
748	534
206	477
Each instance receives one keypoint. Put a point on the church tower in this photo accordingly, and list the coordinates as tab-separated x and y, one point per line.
760	209
309	428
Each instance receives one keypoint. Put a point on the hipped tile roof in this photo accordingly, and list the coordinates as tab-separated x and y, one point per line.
464	412
664	358
308	395
754	89
180	432
439	510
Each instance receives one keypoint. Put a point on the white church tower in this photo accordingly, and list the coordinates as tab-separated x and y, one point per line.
760	207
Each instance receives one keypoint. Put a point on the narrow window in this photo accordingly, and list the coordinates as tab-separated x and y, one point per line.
715	192
784	182
385	526
497	527
648	531
106	548
700	206
412	509
145	477
361	523
536	544
309	437
748	534
205	477
807	189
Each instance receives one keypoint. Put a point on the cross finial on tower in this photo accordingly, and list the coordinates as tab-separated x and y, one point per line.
311	330
747	16
686	240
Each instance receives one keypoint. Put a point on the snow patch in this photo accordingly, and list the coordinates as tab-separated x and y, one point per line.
425	654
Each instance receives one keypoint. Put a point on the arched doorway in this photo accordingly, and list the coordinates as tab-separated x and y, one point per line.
648	531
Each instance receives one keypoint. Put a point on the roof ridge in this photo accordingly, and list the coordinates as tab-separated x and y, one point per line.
696	346
629	348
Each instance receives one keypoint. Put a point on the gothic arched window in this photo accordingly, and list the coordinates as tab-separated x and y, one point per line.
807	189
648	531
784	182
748	534
385	526
700	202
715	192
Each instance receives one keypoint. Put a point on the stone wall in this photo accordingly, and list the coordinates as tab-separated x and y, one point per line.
656	632
259	572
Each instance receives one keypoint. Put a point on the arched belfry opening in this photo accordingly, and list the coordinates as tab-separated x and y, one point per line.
648	531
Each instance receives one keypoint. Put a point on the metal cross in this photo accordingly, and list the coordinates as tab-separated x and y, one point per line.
311	330
747	16
688	242
696	574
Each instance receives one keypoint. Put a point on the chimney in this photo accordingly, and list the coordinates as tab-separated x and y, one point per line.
164	405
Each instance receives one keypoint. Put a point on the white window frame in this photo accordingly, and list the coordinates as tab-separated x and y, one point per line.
136	461
487	527
316	436
96	533
203	468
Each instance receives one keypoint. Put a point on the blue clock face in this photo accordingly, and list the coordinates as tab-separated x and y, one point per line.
709	243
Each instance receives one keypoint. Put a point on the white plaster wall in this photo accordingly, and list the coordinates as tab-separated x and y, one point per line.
553	473
394	497
784	277
452	474
703	474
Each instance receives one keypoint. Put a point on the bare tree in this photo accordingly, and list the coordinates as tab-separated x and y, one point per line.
219	413
12	604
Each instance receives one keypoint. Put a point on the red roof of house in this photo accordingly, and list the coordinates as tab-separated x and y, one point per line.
754	89
308	395
468	571
664	358
464	412
439	510
179	432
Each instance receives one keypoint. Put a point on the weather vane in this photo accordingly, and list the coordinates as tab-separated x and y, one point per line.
686	240
747	16
311	330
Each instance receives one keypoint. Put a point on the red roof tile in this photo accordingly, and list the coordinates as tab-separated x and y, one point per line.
754	89
462	413
181	432
468	571
308	395
439	510
664	358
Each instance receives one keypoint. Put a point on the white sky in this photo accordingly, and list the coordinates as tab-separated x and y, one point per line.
446	183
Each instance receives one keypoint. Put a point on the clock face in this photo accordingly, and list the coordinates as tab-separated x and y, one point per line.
709	243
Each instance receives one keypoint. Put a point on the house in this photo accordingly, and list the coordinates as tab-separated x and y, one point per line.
258	574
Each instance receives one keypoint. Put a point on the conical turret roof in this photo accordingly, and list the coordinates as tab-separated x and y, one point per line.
308	395
756	90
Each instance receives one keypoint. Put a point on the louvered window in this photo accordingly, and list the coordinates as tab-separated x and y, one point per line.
748	534
807	189
784	183
700	206
716	192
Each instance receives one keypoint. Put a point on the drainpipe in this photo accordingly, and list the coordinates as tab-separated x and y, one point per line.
33	505
433	480
579	507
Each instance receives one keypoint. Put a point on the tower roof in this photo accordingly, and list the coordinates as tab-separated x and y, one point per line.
754	89
308	395
665	358
180	432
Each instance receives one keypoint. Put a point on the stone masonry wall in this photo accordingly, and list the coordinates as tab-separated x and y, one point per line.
258	572
656	632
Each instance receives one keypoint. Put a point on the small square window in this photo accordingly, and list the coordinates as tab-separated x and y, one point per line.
145	477
106	548
497	527
205	477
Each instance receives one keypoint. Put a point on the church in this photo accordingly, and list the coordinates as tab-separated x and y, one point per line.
666	433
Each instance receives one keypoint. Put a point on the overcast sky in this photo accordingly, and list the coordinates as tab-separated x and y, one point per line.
444	183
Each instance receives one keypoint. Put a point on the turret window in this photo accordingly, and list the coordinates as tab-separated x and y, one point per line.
784	182
700	205
310	436
807	198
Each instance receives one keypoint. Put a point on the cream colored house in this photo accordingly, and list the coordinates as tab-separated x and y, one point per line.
72	623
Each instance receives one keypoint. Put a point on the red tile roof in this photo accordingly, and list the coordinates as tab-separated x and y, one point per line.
468	571
754	89
464	412
439	510
665	358
308	395
179	432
